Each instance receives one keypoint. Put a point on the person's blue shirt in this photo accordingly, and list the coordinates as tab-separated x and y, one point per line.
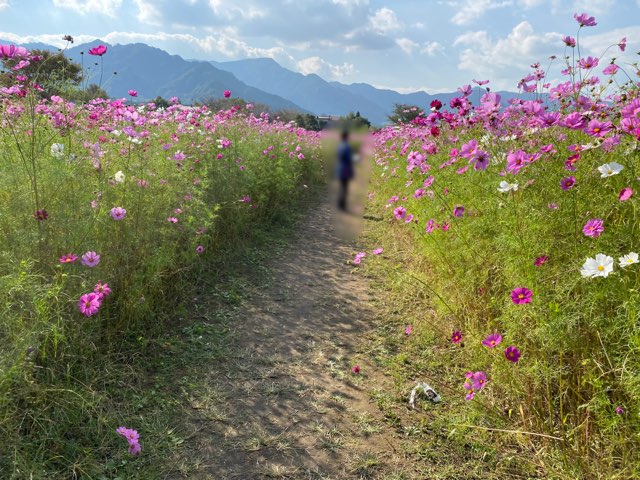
345	161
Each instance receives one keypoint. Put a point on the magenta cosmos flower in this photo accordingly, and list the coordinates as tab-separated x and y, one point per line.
90	259
89	304
118	213
521	295
479	380
227	93
133	93
407	330
593	228
625	194
492	340
11	51
68	258
456	337
567	183
102	290
355	369
512	354
133	439
585	20
469	388
200	249
541	260
458	211
98	51
400	212
378	251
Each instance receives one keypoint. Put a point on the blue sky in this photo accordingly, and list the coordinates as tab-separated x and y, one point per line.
408	45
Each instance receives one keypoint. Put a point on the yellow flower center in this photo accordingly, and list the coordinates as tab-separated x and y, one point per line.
601	267
521	296
610	172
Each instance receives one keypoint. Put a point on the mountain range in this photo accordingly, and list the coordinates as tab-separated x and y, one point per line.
152	72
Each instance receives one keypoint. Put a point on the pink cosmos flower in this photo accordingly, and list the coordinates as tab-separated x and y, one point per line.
428	182
492	340
118	213
625	194
431	226
98	51
521	295
456	337
172	220
569	41
541	260
358	258
133	93
102	290
593	228
610	69
133	439
227	93
458	211
378	251
90	259
585	20
512	354
588	63
400	213
89	304
11	51
598	129
479	380
407	330
68	258
567	183
355	369
623	44
620	410
200	249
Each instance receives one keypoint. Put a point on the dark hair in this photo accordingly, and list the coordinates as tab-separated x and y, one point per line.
345	134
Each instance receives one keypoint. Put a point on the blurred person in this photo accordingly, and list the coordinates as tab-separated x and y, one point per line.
344	169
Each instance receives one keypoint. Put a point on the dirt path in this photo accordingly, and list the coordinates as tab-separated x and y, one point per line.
285	403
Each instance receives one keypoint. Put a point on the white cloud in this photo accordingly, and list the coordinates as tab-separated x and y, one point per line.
103	7
147	12
432	48
235	9
470	10
407	45
564	6
486	56
221	43
384	20
5	4
321	67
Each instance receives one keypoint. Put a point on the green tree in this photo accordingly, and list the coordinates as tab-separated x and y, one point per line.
91	92
403	113
161	102
55	73
354	121
308	122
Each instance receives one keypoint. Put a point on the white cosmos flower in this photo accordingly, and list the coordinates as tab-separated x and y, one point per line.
628	259
57	150
601	266
609	169
119	176
507	187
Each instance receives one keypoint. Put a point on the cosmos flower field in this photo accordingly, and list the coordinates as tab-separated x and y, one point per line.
108	210
527	217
